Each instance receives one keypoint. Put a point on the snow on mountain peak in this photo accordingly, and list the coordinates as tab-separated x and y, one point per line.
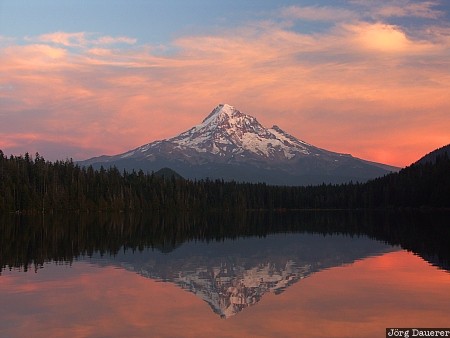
227	132
224	108
223	112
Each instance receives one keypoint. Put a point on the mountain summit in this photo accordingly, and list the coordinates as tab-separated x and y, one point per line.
231	145
227	132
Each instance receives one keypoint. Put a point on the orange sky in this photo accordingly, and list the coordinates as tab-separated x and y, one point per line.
377	90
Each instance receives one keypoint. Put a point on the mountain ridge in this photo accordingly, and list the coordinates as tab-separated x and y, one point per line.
231	145
433	155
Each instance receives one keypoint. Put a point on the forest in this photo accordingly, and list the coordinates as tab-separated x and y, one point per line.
31	184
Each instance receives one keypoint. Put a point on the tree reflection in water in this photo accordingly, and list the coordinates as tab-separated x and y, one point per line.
29	241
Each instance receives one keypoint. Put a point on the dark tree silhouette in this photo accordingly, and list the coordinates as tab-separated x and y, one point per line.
35	185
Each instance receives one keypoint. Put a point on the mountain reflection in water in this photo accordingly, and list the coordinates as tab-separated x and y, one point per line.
107	275
229	260
231	275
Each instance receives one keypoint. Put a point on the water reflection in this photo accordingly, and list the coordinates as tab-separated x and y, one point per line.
29	241
232	275
312	274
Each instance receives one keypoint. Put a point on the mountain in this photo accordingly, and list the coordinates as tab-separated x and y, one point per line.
233	275
423	184
231	145
431	157
168	173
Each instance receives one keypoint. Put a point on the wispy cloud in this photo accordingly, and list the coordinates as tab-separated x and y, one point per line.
407	8
80	39
110	40
394	9
317	13
6	40
62	38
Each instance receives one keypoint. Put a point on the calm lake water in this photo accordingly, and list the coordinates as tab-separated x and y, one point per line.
332	274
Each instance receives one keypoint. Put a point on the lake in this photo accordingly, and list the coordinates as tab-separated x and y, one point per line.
291	274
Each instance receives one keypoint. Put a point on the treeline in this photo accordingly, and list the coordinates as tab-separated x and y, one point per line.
33	184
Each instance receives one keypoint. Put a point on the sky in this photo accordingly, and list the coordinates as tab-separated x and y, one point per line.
86	78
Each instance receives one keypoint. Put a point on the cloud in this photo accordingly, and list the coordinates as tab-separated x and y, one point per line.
109	40
81	39
22	61
380	10
381	37
317	13
352	88
63	38
403	8
6	40
364	9
386	38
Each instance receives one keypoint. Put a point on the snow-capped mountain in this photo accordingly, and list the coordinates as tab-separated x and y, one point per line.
232	145
227	132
